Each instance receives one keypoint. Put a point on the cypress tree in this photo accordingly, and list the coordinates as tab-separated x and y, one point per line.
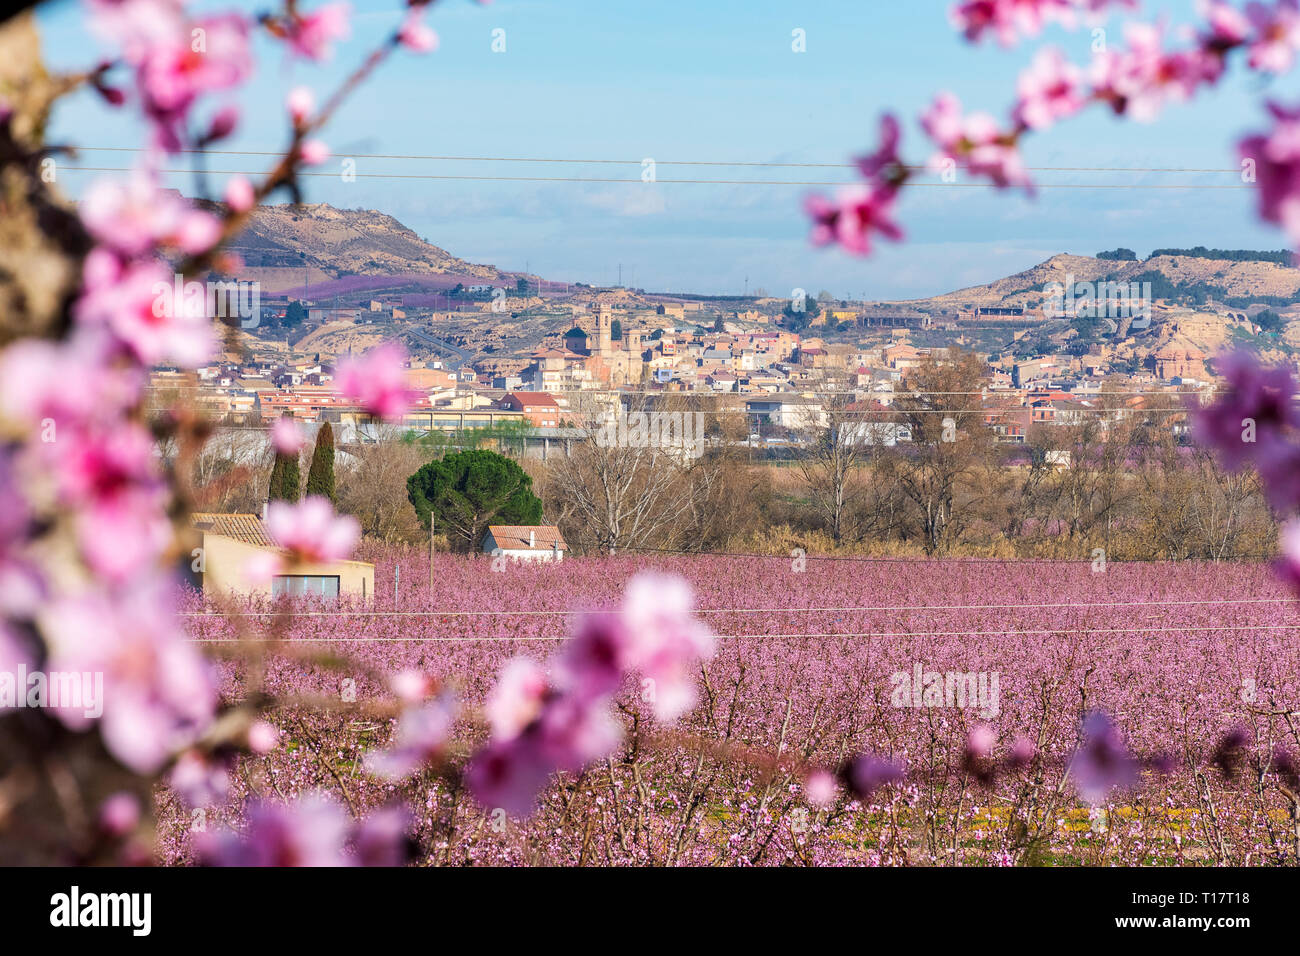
276	490
320	476
292	487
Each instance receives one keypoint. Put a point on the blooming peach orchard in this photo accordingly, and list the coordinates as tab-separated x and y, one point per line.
711	710
796	738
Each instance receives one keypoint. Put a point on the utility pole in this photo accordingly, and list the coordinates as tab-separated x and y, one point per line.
430	553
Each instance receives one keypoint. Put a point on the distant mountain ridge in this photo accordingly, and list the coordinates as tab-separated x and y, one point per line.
343	251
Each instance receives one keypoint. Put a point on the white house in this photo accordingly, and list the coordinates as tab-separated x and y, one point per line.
887	434
539	542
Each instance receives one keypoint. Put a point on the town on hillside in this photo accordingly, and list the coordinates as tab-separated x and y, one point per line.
547	361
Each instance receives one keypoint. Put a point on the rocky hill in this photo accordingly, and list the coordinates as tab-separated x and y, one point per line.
285	244
1200	279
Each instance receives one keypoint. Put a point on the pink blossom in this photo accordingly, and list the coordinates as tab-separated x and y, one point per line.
820	788
852	217
313	152
119	814
594	661
199	780
1009	19
415	34
1050	89
222	125
1278	35
422	733
135	25
979	742
198	232
1229	27
382	839
312	831
33	382
116	498
1229	751
508	775
133	215
1140	80
239	195
666	642
263	737
123	533
137	302
867	773
286	436
973	141
539	727
977	757
1276	159
300	103
411	685
1022	752
885	160
516	699
310	530
1102	762
173	75
158	694
1251	419
311	35
377	380
943	122
571	732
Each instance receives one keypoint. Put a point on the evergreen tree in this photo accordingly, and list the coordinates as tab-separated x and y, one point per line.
470	490
320	476
285	481
291	490
276	490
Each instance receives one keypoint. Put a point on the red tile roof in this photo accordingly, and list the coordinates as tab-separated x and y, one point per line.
515	537
246	528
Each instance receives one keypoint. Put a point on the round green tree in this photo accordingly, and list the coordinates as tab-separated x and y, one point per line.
467	491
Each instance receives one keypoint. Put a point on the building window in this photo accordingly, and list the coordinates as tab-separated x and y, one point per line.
305	585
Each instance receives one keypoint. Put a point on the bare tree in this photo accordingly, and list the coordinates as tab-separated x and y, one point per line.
940	405
230	473
372	487
836	443
629	485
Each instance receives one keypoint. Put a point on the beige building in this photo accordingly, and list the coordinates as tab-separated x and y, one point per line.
230	541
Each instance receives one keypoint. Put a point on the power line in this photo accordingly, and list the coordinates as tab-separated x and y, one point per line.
658	162
754	610
597	179
757	396
778	636
936	561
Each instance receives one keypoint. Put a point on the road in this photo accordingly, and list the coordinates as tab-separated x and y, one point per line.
458	356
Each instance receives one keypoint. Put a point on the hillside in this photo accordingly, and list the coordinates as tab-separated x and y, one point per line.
1206	278
284	243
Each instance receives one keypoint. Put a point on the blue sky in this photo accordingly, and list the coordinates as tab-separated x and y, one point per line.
713	81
